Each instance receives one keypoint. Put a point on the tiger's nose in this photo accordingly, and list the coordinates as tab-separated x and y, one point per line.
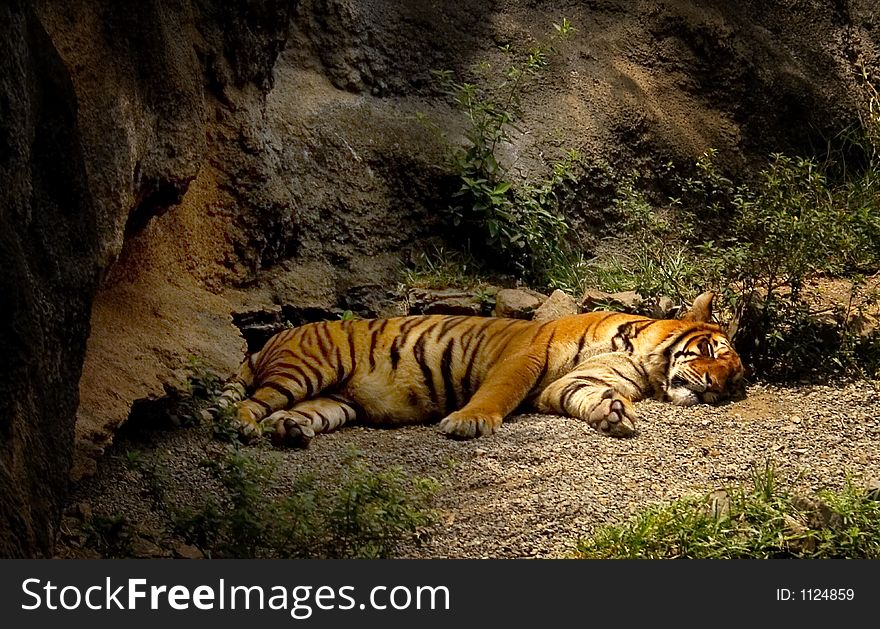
714	384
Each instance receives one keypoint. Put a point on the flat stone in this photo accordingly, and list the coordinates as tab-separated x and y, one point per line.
447	301
187	551
626	301
144	548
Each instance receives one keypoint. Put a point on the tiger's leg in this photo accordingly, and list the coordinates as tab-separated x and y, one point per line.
600	391
288	385
504	388
298	425
277	393
233	393
294	365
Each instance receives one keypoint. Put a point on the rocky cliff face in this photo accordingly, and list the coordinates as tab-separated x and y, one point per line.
49	261
103	111
200	158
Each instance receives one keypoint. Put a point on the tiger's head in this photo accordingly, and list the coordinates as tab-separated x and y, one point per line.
703	366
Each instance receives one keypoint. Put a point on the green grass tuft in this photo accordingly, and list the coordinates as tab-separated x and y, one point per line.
765	520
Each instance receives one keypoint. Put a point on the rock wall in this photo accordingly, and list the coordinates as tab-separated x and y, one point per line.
49	261
171	100
201	157
104	111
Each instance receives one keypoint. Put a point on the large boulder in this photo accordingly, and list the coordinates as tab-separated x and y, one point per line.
518	303
558	304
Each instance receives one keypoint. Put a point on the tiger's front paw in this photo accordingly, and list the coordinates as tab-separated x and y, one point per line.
467	426
614	415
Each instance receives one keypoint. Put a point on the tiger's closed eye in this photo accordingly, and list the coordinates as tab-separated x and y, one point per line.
705	348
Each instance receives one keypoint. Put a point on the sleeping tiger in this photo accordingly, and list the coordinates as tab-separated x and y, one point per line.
472	372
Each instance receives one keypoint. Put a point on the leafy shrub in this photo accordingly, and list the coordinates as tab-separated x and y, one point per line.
371	512
368	513
110	535
653	258
758	245
791	227
513	222
203	383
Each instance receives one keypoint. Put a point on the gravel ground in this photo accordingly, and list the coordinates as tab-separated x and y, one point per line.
541	482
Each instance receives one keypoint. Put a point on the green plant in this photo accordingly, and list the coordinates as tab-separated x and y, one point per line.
484	296
224	424
654	258
111	535
518	222
371	511
764	519
246	523
759	245
203	387
243	521
203	527
791	226
437	266
133	460
368	514
203	382
708	190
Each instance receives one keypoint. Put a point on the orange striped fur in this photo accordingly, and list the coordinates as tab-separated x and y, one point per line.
472	372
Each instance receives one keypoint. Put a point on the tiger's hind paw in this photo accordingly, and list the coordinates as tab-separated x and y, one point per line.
459	426
249	432
290	430
613	415
242	420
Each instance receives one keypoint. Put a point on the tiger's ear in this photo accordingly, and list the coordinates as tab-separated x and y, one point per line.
701	310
